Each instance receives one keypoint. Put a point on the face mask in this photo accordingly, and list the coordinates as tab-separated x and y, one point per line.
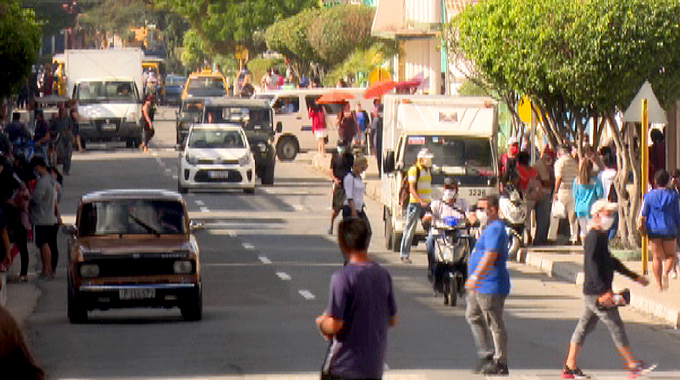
606	222
449	195
481	216
513	149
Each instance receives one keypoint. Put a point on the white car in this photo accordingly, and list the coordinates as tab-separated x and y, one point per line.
216	156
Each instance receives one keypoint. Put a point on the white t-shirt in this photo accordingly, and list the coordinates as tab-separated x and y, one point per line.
354	190
606	177
442	210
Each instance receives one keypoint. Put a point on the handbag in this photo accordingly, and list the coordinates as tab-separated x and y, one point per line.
558	211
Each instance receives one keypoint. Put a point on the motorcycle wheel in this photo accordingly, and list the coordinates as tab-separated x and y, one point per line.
513	245
453	294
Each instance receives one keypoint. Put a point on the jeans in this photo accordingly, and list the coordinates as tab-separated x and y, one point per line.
614	228
66	152
413	212
484	314
543	208
610	317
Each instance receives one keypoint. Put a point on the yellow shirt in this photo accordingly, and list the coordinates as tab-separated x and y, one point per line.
423	187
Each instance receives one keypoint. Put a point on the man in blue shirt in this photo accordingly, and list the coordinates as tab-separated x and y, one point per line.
488	286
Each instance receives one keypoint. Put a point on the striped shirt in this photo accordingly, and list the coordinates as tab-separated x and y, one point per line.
423	187
567	169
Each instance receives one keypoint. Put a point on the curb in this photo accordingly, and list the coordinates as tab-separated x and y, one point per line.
573	273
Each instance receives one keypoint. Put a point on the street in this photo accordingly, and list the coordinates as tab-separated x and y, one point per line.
266	261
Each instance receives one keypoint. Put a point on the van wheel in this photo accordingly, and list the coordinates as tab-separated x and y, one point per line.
287	148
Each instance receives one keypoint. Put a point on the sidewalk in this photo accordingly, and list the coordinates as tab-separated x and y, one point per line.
563	262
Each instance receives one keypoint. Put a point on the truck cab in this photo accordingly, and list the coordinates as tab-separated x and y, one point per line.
461	134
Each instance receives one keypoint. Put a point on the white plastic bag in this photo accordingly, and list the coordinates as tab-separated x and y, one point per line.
559	211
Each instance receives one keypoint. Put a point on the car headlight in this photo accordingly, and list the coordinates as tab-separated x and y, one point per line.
89	270
183	267
245	160
192	160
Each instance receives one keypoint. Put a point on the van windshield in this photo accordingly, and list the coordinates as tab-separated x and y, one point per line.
206	86
455	156
132	217
107	91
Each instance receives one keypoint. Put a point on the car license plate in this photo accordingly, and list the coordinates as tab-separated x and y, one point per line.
109	127
218	175
136	294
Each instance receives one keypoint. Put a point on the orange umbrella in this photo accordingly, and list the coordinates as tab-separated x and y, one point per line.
378	89
334	97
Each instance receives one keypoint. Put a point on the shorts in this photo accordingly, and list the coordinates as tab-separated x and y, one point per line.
45	234
321	134
338	197
662	236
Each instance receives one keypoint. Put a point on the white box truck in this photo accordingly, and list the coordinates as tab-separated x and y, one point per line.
106	86
461	133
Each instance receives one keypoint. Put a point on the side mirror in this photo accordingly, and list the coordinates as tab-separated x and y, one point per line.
388	162
196	226
69	229
279	127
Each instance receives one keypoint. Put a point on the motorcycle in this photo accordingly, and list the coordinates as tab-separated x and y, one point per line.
513	211
452	247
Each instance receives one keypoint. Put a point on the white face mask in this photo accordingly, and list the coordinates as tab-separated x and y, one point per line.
606	222
481	216
449	195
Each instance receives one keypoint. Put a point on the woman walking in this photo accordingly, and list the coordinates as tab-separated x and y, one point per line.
318	116
347	127
353	205
585	191
147	122
660	216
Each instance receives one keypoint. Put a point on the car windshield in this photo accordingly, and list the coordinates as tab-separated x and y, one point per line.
107	91
453	155
174	81
191	110
133	217
257	119
216	139
206	86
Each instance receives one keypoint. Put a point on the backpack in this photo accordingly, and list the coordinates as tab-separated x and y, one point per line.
534	191
405	190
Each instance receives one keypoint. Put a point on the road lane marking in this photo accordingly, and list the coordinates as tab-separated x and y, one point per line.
174	176
306	294
205	209
264	260
283	276
247	246
298	207
168	170
199	202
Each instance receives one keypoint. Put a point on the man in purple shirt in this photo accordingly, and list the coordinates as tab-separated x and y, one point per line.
360	309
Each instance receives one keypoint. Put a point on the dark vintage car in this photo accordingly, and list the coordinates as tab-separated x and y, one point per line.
133	248
256	119
172	93
190	112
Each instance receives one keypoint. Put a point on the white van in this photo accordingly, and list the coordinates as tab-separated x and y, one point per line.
291	108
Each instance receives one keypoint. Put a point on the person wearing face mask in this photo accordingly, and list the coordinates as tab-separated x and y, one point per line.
488	285
342	162
449	206
600	303
508	172
566	170
420	183
545	170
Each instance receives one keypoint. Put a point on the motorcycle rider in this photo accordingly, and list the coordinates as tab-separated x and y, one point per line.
449	206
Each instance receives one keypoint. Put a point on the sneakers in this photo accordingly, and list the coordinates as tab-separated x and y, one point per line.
575	373
483	363
641	369
495	368
406	260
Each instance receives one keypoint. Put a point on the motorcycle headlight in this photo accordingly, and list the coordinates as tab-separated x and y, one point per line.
89	270
183	267
245	160
192	160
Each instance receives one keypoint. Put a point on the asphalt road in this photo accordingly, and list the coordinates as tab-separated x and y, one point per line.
266	261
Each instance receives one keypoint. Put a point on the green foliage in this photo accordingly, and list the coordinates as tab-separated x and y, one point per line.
193	53
469	88
357	65
19	42
117	16
258	66
51	16
290	36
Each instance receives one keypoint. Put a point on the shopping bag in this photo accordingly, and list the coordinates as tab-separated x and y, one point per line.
559	211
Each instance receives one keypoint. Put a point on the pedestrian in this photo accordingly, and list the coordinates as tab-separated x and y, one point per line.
75	128
660	220
606	177
347	127
657	154
566	169
63	132
353	204
342	162
16	360
16	131
361	119
318	116
508	164
41	135
675	185
419	185
147	123
546	173
377	132
14	206
360	310
529	184
600	303
44	216
247	89
488	285
585	191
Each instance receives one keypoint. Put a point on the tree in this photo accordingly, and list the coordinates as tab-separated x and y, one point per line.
117	16
578	62
19	42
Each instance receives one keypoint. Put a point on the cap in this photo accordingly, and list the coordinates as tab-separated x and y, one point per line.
512	140
38	161
424	153
602	204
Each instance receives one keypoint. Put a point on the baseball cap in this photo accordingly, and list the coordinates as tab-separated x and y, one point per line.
512	140
424	153
602	204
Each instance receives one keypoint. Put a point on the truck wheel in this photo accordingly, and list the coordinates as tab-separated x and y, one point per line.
287	148
268	175
193	310
77	312
392	238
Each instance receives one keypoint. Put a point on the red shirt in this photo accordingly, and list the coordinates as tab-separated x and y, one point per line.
524	174
318	120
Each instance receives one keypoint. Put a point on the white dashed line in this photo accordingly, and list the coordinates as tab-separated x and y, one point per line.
283	276
306	294
232	234
160	162
168	170
174	176
264	260
205	209
154	154
199	202
298	207
247	246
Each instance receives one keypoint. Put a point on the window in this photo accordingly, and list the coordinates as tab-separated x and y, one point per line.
135	217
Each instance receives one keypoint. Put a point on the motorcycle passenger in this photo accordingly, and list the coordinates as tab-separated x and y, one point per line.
449	206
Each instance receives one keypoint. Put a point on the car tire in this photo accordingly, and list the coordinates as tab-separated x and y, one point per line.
193	309
268	175
130	143
287	148
77	311
393	239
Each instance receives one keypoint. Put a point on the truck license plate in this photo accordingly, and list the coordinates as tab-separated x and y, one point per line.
218	175
109	127
136	294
